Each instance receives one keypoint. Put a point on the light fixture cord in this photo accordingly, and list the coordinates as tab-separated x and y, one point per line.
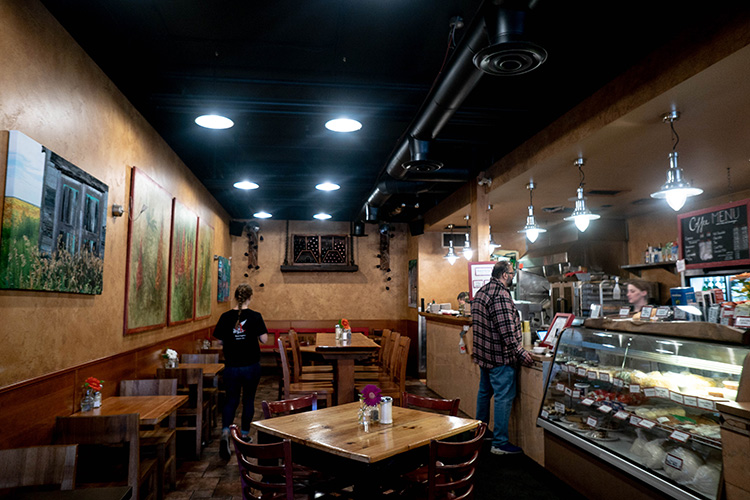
531	196
675	136
583	176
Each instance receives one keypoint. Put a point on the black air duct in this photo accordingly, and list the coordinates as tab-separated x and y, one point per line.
419	161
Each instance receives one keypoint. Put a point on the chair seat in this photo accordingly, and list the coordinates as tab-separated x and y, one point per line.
317	369
157	436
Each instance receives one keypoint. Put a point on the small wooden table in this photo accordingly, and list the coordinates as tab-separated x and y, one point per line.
209	369
151	409
335	430
343	354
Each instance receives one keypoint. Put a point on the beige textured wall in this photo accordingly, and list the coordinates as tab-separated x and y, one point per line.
51	91
438	280
360	295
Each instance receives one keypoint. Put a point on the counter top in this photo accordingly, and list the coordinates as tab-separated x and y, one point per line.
741	410
684	329
446	318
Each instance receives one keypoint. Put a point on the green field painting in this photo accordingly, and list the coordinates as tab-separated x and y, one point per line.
182	264
203	270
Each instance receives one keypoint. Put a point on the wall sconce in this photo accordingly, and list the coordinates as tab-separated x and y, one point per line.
117	210
531	229
581	215
676	191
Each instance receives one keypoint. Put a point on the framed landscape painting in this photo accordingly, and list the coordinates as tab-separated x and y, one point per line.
182	264
224	278
54	221
203	286
147	269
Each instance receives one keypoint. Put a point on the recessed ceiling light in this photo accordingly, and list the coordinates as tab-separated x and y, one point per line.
245	185
214	121
262	215
327	186
343	125
322	216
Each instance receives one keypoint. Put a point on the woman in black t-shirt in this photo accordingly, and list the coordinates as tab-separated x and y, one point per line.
240	330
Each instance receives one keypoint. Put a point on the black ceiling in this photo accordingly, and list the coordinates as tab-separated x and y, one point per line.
281	69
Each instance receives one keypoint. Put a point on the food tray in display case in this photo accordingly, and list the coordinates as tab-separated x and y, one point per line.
645	402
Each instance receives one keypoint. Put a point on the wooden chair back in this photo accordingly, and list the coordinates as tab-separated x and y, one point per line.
388	350
384	339
190	380
438	405
289	406
149	387
256	477
285	373
96	435
400	360
452	467
39	466
296	369
204	358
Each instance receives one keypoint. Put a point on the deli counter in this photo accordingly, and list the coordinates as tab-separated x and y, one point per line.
642	398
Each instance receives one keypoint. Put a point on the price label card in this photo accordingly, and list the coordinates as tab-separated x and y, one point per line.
680	265
691	400
624	311
619	382
680	436
673	461
648	424
646	312
604	377
663	420
564	368
621	415
560	408
568	391
661	392
742	321
605	409
649	392
662	312
593	422
582	372
560	387
587	402
676	397
545	414
706	404
592	375
635	388
634	420
576	394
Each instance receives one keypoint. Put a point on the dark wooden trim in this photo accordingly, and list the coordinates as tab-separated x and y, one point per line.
319	268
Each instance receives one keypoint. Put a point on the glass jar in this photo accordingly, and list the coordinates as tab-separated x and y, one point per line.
97	399
170	363
87	400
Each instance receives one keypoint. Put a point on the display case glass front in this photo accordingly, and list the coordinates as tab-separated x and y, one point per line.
644	403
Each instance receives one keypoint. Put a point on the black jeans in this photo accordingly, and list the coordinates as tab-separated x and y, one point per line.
240	379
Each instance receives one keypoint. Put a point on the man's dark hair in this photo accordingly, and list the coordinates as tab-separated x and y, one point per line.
501	266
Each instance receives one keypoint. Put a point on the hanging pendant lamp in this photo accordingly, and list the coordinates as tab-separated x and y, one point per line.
451	255
581	215
676	190
468	252
531	229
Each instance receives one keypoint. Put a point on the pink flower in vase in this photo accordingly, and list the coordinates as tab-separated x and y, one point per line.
371	394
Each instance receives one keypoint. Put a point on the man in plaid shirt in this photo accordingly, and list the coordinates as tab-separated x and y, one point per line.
498	350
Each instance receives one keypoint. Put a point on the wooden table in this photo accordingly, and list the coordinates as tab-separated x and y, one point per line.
342	354
151	409
209	369
336	431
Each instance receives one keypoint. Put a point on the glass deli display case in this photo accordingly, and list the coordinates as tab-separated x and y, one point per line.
644	399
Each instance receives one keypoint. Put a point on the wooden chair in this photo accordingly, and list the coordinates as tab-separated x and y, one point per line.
440	405
378	365
450	471
39	466
109	451
289	406
314	374
394	384
389	357
271	481
324	390
210	384
161	441
192	417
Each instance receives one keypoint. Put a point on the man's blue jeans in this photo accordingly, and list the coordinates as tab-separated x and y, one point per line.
499	382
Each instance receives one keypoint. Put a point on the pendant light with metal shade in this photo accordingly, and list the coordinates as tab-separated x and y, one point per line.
468	252
531	229
581	215
676	190
451	255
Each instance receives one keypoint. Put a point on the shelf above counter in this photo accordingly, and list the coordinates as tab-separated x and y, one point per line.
638	268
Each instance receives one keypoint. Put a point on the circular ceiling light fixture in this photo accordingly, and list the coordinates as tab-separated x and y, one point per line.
327	186
262	215
343	125
245	185
322	216
216	122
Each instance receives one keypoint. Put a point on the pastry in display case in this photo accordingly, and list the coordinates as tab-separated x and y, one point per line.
646	402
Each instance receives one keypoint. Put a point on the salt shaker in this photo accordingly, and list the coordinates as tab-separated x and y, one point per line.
386	410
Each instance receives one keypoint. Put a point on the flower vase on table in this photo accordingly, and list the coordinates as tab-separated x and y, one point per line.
92	388
368	410
87	400
170	358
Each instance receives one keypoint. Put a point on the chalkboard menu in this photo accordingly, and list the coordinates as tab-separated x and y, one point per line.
715	237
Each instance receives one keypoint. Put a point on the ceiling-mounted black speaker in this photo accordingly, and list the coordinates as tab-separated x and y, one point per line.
416	227
358	229
236	227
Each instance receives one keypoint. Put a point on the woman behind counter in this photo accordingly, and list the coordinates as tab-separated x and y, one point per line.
638	294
